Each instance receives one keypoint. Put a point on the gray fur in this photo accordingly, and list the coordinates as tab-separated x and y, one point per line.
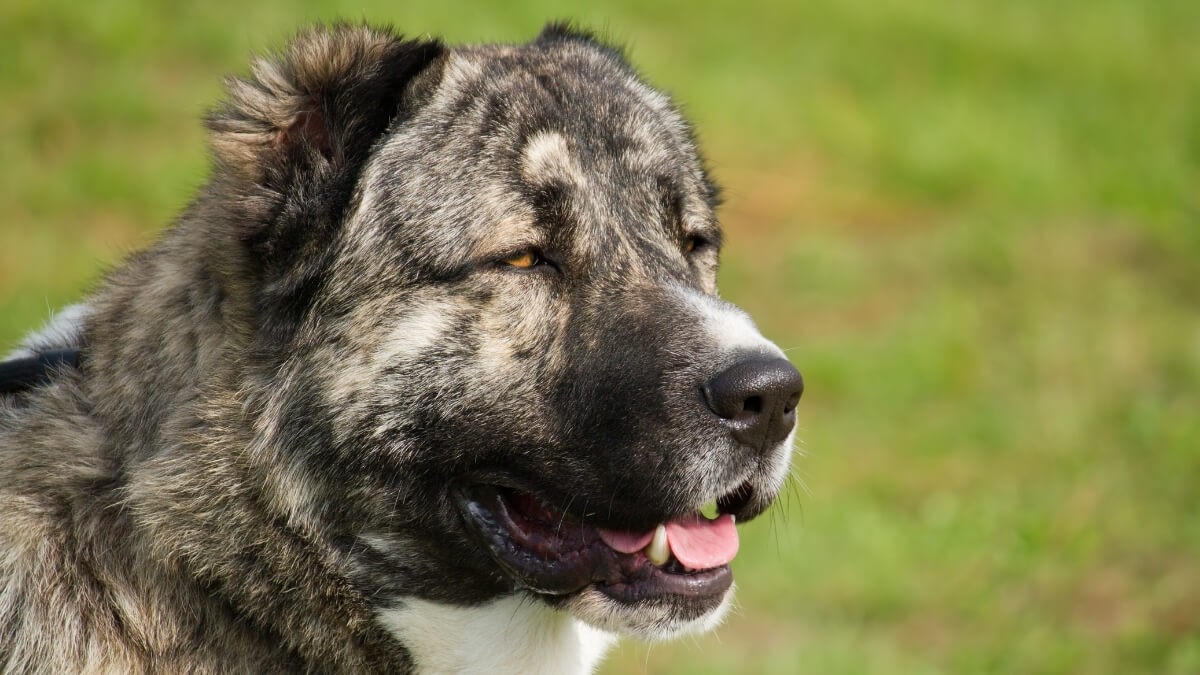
252	462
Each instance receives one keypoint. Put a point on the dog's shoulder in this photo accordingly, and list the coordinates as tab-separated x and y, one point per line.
56	529
78	591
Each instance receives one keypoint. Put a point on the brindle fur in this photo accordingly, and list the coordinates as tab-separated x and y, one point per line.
252	461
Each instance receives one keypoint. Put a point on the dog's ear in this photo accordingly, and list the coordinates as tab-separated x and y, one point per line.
317	106
288	146
564	31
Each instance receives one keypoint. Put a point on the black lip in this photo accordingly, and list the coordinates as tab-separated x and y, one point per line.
742	502
567	556
711	583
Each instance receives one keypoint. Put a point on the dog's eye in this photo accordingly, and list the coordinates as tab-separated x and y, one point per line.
524	260
694	242
528	259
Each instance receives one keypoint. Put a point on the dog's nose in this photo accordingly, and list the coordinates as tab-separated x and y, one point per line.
756	398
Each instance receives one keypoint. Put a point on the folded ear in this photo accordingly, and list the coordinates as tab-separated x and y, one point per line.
288	146
325	98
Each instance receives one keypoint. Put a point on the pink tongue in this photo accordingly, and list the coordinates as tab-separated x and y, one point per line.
698	543
626	542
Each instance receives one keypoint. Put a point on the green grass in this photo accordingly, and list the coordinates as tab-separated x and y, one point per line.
975	226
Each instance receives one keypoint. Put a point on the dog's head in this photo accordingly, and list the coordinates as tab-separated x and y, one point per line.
485	291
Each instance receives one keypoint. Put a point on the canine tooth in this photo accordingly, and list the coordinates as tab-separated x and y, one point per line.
657	550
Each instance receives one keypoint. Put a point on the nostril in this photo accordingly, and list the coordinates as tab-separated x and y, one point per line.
754	404
791	404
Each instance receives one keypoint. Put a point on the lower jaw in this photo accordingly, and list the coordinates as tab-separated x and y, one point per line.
706	587
653	618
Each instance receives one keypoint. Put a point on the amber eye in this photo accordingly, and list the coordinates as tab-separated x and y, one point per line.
523	260
692	243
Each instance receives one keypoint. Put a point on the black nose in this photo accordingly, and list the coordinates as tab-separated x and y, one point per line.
756	399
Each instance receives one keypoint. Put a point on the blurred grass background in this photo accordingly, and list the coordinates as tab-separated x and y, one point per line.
975	227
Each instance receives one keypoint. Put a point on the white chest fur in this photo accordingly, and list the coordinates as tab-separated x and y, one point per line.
517	635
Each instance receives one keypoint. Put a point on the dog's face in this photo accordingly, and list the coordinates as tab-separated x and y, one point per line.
512	372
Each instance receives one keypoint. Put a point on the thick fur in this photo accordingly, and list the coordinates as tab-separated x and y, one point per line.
249	472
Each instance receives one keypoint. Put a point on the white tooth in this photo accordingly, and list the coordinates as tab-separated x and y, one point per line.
657	550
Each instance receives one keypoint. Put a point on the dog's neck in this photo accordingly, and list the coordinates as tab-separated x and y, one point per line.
155	383
516	634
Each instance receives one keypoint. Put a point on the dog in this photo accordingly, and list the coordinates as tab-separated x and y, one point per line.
432	376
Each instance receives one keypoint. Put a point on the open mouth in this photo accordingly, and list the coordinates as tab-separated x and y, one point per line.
547	551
